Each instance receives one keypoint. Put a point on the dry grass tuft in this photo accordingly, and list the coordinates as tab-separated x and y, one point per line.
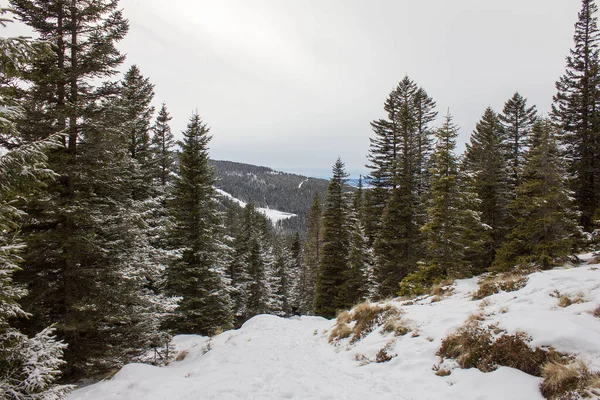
596	312
508	282
443	288
394	323
486	348
572	380
384	355
566	300
435	299
443	372
362	320
181	355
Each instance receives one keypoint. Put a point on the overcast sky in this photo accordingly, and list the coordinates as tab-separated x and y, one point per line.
293	84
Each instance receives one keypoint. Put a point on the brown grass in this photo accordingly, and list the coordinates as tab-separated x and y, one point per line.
366	317
508	282
596	312
442	288
569	380
476	346
181	355
383	355
566	300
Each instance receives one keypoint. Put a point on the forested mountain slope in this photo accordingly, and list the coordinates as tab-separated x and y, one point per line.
267	188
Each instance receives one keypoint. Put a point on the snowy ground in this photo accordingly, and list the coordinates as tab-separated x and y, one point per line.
274	215
275	358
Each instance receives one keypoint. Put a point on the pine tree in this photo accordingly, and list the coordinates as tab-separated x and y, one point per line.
546	228
517	120
296	273
451	221
28	366
331	294
313	247
399	159
258	263
162	146
196	276
83	229
360	258
485	160
137	94
576	111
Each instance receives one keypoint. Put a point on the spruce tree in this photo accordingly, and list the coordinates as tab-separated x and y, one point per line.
546	229
162	146
313	247
331	294
399	159
451	226
360	261
576	111
196	276
517	120
83	229
137	94
485	160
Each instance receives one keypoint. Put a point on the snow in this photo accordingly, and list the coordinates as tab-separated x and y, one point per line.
301	183
276	358
274	215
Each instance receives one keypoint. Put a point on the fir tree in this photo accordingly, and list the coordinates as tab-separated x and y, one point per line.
399	158
196	276
546	228
311	259
451	221
162	146
137	94
576	111
360	257
331	294
485	163
517	120
28	366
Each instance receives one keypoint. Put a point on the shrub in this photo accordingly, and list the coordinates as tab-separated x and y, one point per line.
366	317
474	346
506	282
572	380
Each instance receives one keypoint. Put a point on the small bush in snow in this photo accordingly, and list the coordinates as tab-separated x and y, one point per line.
487	347
572	380
596	312
566	300
384	355
495	284
361	320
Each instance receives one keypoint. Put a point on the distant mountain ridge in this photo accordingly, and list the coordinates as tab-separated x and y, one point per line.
268	188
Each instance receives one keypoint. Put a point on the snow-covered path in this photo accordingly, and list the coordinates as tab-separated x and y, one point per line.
269	358
278	358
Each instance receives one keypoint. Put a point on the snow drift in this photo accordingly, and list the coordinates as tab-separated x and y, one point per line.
276	358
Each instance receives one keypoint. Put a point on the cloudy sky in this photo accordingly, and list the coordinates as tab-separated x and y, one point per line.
293	84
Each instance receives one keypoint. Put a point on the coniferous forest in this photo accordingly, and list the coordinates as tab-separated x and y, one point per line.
113	238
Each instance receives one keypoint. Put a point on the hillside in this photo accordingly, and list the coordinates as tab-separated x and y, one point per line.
270	189
389	355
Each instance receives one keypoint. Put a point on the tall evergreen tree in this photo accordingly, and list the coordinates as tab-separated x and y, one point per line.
162	146
546	228
485	160
313	247
84	228
28	366
517	120
399	159
137	94
360	258
197	276
449	230
331	294
576	110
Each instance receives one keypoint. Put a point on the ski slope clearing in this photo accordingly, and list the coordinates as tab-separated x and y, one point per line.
273	215
277	358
